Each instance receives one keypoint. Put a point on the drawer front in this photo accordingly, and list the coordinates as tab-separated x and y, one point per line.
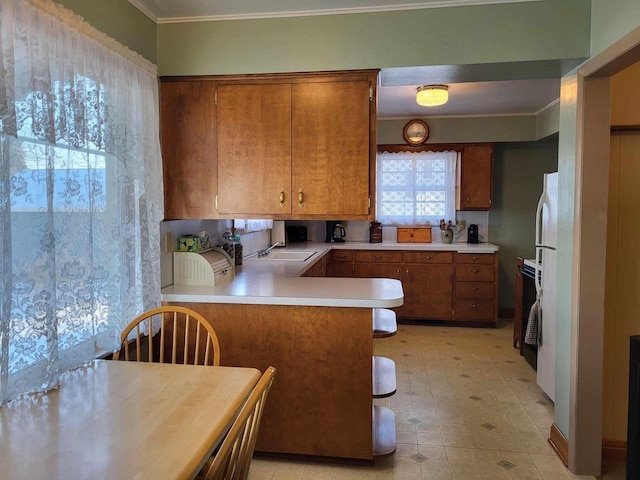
342	255
427	257
481	310
481	291
474	273
477	258
367	256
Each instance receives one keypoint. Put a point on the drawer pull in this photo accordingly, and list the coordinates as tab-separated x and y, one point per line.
473	289
474	305
428	257
474	257
377	257
475	270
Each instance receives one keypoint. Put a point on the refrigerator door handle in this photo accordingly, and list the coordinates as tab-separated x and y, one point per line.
541	203
538	272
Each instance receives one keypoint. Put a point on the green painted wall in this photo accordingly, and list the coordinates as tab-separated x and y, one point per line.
611	20
121	21
471	129
442	36
517	185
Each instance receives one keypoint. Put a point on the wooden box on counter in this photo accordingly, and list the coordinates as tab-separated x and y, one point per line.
414	234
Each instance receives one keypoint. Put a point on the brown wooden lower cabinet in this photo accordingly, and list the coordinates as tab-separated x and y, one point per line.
427	291
449	286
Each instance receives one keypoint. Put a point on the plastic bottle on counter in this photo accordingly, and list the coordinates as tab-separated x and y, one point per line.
237	244
228	245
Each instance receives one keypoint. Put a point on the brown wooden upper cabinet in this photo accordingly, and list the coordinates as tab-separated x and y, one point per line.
297	146
254	149
188	149
476	177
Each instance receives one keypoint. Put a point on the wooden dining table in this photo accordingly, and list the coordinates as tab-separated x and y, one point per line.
122	420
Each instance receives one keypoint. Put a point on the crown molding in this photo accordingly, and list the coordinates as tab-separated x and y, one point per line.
487	115
144	10
332	11
547	107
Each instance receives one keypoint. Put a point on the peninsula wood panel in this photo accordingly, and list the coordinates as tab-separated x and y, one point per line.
321	402
330	148
188	146
622	283
254	149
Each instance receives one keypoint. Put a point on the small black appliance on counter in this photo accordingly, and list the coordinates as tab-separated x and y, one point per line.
297	233
335	232
472	234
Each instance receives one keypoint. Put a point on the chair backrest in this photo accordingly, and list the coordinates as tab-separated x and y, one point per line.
170	335
233	458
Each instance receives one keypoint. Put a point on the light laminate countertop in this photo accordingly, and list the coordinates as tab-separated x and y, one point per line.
266	282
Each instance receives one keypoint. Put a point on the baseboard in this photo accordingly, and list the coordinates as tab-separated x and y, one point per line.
506	312
614	450
560	444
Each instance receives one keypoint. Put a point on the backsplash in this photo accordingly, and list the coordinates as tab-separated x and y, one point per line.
358	231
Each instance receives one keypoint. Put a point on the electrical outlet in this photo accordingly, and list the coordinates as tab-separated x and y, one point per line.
169	243
460	223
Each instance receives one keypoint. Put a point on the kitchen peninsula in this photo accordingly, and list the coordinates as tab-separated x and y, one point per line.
317	331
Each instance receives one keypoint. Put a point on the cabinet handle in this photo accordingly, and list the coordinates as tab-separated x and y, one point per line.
398	272
428	257
474	305
474	257
406	272
468	199
281	197
377	257
473	289
300	198
474	270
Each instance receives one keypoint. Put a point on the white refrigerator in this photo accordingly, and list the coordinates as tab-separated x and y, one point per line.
545	275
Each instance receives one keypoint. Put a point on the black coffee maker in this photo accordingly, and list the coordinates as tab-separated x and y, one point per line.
472	234
335	232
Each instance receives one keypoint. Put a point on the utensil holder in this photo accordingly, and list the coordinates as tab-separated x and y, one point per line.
446	236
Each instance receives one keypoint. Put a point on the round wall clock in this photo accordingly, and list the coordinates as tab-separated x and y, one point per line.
415	132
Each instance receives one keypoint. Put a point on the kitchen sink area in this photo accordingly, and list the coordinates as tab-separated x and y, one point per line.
286	256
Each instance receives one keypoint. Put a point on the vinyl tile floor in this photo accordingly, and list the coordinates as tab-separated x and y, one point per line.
467	406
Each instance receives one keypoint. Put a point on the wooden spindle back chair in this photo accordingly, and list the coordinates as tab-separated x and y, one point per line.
233	458
170	335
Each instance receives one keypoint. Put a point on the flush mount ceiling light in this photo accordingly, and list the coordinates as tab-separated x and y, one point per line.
432	95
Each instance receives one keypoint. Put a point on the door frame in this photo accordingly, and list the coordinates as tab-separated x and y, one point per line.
589	250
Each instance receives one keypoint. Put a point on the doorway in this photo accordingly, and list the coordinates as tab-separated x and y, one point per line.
593	105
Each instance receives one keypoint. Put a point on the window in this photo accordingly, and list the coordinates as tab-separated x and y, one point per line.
416	187
80	206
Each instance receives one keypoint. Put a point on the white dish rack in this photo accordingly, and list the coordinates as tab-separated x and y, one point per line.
205	268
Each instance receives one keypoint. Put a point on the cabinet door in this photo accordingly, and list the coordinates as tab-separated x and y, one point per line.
254	149
188	149
331	148
338	269
476	177
428	291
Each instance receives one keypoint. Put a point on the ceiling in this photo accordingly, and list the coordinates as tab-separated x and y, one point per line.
475	90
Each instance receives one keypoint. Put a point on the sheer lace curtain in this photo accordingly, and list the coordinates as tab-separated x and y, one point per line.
416	187
80	193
